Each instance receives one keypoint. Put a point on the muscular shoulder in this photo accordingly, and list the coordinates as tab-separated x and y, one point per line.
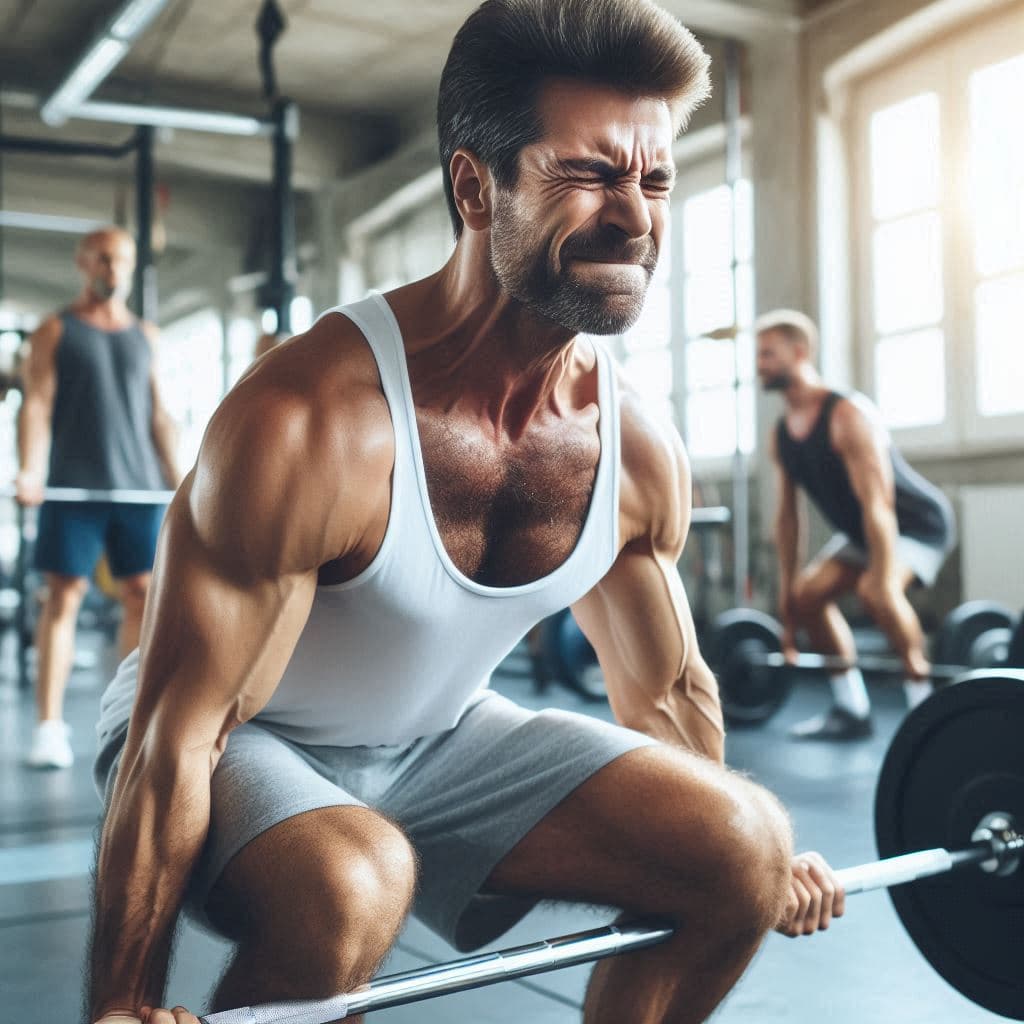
655	498
48	333
856	423
298	457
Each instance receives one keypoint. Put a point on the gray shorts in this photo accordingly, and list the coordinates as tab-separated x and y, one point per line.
464	798
923	560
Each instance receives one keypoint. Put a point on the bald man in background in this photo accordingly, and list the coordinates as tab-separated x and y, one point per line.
91	418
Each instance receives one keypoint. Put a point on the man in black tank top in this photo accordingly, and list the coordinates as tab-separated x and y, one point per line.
91	400
893	526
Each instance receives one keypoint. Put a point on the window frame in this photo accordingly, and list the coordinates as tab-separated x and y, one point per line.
944	68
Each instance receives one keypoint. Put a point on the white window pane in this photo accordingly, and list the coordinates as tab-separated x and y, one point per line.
241	337
910	379
905	156
707	226
711	422
651	373
653	329
908	273
301	311
999	313
709	364
997	166
708	301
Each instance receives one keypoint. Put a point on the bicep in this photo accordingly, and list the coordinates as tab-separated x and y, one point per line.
215	642
639	622
866	460
40	373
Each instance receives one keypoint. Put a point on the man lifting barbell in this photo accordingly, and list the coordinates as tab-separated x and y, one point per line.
894	527
304	748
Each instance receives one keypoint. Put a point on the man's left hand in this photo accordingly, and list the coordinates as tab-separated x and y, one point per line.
815	897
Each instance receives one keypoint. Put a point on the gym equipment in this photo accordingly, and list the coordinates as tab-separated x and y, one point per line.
564	654
955	772
755	679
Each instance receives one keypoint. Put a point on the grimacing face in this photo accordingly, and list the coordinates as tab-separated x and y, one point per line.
576	239
107	263
777	358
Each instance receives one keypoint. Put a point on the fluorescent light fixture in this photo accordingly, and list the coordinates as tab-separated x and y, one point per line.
47	222
133	19
172	117
103	56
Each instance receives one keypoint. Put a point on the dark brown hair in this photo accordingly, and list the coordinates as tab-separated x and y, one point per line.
507	49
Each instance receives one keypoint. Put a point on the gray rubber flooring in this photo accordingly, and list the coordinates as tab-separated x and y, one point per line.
863	970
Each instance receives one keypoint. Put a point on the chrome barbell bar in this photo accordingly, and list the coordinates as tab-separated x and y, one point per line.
996	847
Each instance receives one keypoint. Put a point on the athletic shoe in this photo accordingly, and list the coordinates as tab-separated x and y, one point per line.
50	746
836	724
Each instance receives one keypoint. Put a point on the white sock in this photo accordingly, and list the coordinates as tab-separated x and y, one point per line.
850	693
917	691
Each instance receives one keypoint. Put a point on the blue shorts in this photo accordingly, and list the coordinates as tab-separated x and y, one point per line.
73	534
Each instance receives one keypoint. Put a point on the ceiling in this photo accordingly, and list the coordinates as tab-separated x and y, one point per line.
378	57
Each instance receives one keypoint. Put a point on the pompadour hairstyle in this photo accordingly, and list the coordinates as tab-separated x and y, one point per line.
507	49
791	323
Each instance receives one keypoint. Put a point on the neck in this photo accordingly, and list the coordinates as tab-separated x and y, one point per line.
112	311
805	388
476	348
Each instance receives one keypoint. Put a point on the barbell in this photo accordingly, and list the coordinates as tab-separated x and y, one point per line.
954	774
755	679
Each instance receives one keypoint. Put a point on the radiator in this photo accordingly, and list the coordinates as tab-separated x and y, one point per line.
992	544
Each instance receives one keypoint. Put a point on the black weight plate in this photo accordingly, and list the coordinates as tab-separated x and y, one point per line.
1015	655
961	629
957	757
750	694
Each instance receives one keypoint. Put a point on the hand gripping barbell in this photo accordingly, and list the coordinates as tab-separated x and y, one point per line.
755	679
955	771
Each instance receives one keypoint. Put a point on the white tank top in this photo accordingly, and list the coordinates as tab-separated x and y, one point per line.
399	651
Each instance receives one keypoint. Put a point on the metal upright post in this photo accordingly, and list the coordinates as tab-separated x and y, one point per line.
283	261
740	481
145	271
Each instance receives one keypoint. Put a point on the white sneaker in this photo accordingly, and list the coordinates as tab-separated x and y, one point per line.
50	746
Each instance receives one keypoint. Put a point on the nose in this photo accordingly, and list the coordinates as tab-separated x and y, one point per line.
627	209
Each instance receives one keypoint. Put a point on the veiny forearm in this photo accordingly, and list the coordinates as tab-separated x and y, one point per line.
787	544
33	435
686	714
880	531
154	831
165	440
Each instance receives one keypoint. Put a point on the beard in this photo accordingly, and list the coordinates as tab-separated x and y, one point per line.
546	285
778	382
105	290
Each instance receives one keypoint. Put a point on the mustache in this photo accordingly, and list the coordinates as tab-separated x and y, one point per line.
612	247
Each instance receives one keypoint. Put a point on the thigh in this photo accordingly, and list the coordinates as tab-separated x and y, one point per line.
648	826
827	578
131	537
70	537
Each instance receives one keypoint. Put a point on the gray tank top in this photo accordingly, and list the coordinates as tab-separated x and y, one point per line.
103	410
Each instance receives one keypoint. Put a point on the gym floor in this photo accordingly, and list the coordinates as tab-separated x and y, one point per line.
863	969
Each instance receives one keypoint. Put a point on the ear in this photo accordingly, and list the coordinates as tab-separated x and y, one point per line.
474	189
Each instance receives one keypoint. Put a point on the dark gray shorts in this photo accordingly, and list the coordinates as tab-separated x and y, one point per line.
464	799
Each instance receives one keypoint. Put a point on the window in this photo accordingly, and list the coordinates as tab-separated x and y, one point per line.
939	178
718	372
191	373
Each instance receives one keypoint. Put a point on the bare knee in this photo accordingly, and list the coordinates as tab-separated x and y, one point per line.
133	591
806	603
64	595
750	847
361	895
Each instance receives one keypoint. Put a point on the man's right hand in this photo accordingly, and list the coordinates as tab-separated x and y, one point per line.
29	488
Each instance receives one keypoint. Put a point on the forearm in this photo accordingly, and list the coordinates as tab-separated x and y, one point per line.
33	436
880	532
156	826
165	440
685	714
787	544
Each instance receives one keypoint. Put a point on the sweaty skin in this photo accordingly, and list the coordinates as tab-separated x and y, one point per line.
293	485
